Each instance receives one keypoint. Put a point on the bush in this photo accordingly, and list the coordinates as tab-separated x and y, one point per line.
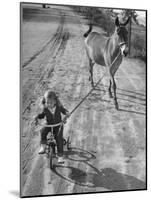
98	17
138	46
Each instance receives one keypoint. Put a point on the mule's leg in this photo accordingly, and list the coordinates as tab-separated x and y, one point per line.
110	93
92	82
91	72
115	98
114	91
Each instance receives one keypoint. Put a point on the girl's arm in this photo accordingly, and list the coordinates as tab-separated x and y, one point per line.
64	110
40	115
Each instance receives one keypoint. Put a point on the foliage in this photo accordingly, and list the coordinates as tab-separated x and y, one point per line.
138	46
104	18
98	17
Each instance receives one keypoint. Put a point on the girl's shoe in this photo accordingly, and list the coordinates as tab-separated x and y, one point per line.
42	149
60	159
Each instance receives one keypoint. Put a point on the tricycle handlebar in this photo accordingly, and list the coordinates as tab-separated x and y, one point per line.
51	125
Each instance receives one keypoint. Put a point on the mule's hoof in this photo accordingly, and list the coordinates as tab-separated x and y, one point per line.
117	107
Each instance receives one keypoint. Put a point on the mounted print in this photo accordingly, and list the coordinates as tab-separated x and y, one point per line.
83	99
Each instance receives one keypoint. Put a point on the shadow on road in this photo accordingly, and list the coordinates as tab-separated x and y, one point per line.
131	111
107	178
78	154
132	97
132	93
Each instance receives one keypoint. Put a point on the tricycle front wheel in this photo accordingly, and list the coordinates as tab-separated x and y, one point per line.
49	157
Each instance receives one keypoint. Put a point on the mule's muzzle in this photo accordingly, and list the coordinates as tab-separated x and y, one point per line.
125	52
124	49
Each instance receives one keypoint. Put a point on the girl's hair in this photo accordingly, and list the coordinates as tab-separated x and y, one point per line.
50	95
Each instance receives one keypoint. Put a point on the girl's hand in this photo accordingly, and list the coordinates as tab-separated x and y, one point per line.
67	114
65	118
35	121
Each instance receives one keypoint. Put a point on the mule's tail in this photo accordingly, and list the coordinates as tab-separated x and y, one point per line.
89	30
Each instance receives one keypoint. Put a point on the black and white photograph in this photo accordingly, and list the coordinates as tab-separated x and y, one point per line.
83	96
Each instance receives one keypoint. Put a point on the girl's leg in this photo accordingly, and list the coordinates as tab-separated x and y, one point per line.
44	132
59	140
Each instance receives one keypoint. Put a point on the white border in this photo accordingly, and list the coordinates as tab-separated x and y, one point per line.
9	100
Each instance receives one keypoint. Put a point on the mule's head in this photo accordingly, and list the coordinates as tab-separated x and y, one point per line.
122	34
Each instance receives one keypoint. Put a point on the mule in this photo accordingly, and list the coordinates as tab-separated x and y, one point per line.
107	51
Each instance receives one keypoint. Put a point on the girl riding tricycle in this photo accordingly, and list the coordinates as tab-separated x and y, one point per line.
52	109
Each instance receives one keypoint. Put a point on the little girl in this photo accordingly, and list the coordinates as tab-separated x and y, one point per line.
52	109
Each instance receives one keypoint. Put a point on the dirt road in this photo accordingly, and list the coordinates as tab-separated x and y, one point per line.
108	146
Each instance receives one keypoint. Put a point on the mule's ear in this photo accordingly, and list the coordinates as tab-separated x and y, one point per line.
117	22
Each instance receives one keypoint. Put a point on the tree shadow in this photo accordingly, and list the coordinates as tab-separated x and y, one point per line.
107	178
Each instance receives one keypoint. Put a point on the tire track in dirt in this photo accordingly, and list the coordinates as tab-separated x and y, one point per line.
57	47
46	45
61	50
44	65
36	162
72	91
46	175
30	134
41	85
59	44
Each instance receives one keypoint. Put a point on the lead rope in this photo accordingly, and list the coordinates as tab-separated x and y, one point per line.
94	86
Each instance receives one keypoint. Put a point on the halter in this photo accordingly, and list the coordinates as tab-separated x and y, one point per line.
121	44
